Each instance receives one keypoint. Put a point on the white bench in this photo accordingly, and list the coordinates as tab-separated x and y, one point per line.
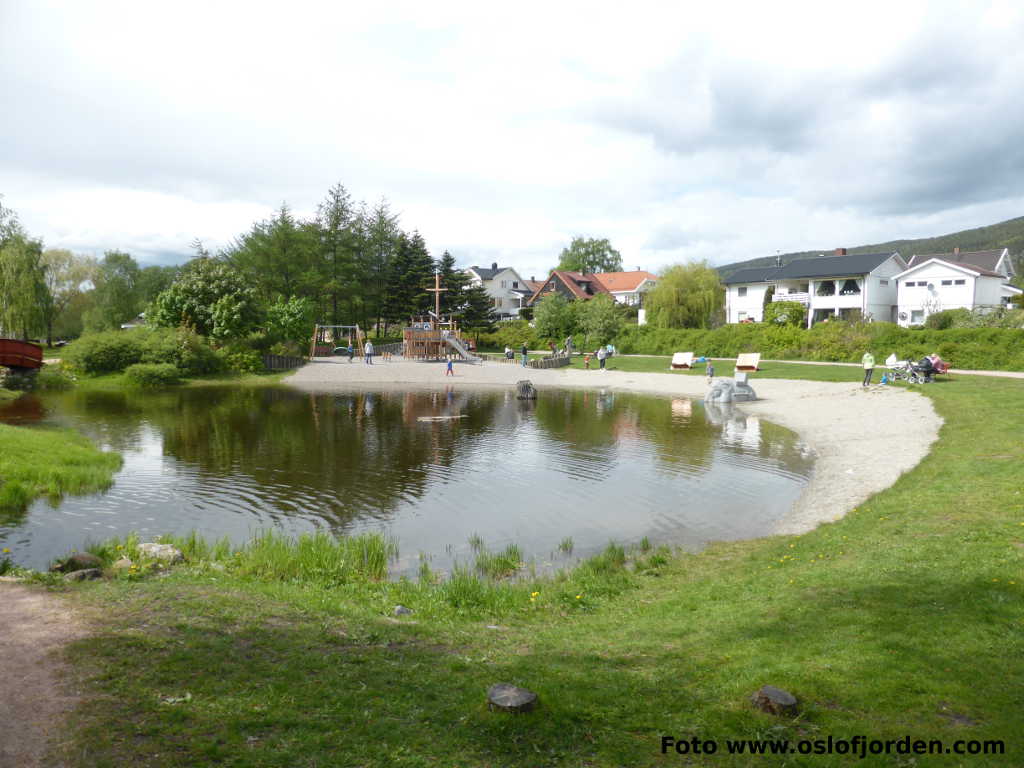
748	361
682	360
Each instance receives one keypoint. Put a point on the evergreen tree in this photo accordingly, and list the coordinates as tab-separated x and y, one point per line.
334	224
382	234
477	310
278	255
454	280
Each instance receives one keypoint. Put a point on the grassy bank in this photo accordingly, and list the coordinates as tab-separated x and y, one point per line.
904	618
49	462
118	382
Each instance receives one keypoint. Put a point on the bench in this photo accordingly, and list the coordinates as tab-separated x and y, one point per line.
748	361
682	360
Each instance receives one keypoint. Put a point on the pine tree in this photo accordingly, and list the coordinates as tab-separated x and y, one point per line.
477	310
334	220
454	280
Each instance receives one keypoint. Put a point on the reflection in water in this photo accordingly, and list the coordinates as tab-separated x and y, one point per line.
596	466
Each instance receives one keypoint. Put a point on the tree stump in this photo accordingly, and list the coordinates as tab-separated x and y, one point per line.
506	697
774	700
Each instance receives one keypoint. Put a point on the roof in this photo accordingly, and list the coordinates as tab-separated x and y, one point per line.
821	266
987	260
532	285
488	273
959	264
572	281
624	281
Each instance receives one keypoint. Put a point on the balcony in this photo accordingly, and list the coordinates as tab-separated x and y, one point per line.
803	298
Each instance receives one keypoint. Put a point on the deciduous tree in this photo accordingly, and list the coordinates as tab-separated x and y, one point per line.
600	318
589	254
24	297
211	297
686	296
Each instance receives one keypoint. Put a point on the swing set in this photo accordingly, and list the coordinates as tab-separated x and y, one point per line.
326	338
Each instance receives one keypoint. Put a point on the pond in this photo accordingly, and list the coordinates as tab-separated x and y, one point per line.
431	469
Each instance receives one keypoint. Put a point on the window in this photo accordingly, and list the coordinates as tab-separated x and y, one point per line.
850	288
911	284
805	287
497	303
947	282
916	316
515	283
741	316
827	288
504	283
959	282
741	292
883	282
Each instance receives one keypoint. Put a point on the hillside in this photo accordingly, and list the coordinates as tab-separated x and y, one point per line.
1005	234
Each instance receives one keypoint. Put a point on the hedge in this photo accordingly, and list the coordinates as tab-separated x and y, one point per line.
969	348
152	375
114	351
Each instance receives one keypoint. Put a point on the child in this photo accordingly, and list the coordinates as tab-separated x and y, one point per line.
450	371
711	371
586	361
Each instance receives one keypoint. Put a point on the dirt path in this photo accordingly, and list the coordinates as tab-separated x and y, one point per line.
34	694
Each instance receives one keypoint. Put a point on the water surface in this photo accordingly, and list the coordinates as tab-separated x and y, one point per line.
592	466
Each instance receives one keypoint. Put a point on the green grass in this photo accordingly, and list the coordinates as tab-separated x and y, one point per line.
49	462
659	364
906	617
7	394
118	381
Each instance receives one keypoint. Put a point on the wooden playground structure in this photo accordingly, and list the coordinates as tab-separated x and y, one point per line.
432	338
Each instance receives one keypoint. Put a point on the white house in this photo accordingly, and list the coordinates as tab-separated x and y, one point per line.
508	291
977	280
828	286
628	287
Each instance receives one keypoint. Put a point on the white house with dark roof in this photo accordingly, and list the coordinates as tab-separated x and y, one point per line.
508	291
973	280
828	286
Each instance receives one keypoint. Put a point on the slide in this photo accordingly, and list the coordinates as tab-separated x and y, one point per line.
458	347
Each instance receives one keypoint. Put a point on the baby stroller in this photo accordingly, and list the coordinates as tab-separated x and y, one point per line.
921	372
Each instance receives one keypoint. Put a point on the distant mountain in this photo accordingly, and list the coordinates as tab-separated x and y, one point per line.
1005	234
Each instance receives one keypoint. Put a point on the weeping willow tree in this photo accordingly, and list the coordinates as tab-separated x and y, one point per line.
686	296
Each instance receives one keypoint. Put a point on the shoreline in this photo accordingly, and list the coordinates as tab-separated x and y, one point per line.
862	440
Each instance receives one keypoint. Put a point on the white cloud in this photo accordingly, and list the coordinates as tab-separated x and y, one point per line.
721	132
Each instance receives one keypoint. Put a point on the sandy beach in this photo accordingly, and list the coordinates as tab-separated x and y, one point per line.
863	440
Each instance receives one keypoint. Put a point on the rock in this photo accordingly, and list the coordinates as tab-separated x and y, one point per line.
123	564
510	698
163	552
729	391
774	700
77	561
525	390
401	610
84	574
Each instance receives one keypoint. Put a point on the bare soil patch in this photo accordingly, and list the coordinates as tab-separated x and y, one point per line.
36	694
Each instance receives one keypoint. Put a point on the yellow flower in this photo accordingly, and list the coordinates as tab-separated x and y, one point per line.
6	550
534	594
579	597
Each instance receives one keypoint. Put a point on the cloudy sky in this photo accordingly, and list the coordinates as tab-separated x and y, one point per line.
678	131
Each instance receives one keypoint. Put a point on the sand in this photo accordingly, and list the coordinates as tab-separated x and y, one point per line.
862	439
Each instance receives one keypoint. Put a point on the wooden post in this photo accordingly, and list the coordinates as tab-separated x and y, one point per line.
436	290
312	347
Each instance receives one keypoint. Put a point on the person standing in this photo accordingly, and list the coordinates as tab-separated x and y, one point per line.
351	352
524	354
450	371
868	362
602	353
711	372
368	352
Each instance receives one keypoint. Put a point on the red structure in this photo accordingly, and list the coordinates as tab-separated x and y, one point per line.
20	354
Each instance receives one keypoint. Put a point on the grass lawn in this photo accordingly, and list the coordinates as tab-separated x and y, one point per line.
49	462
905	618
116	381
727	368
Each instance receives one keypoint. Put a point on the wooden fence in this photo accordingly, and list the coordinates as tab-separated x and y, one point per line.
282	362
550	362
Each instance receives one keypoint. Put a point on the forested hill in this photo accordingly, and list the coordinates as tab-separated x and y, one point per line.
1005	234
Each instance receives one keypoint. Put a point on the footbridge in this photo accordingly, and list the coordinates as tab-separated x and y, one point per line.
20	355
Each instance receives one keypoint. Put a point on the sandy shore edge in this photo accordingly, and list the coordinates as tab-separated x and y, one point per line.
863	440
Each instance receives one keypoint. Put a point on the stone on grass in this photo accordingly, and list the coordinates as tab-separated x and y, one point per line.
510	698
774	700
162	552
84	574
401	610
77	561
124	564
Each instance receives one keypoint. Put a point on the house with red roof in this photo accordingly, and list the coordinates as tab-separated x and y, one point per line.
572	285
628	287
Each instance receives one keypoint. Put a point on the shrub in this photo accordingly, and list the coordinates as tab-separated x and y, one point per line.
54	378
152	375
785	313
947	318
241	360
106	352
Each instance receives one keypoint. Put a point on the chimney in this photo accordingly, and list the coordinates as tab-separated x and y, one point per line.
840	251
533	279
494	266
778	260
638	269
956	251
